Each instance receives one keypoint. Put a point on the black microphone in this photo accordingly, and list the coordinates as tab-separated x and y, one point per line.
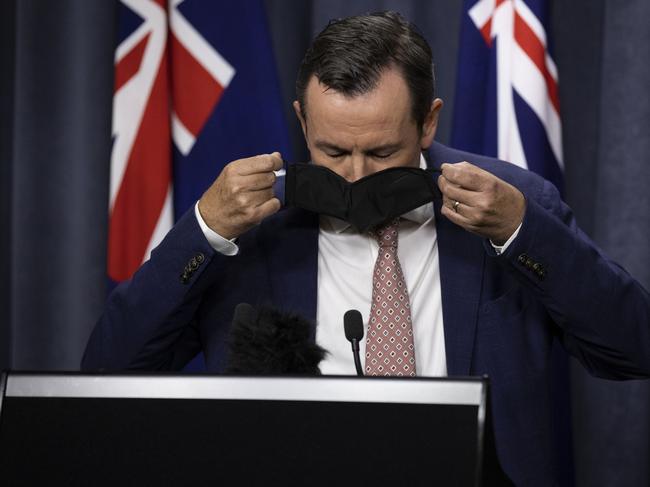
353	324
271	342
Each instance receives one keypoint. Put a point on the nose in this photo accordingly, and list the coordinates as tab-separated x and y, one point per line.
358	168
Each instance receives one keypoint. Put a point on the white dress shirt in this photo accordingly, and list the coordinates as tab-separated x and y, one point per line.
346	260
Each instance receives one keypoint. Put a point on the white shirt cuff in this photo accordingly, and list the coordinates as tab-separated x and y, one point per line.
218	243
499	249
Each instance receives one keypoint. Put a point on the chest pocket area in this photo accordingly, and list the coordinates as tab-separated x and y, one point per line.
513	336
509	305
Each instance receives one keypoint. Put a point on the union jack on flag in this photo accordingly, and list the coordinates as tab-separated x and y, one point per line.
507	103
194	88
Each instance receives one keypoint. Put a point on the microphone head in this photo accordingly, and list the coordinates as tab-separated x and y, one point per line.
267	341
245	315
353	324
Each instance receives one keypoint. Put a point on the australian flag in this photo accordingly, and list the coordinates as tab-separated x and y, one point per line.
507	103
507	106
195	88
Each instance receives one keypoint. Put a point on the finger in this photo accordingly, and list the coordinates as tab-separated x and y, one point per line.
257	181
454	192
268	208
278	162
455	216
261	197
450	203
249	200
466	175
259	164
473	217
458	218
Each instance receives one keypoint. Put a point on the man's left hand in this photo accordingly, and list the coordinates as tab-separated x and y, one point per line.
480	202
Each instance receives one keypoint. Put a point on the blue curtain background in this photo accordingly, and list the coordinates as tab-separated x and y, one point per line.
55	108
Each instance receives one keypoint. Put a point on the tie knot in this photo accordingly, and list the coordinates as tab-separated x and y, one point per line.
387	234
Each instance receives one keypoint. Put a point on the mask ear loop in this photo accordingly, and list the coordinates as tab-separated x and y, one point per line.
279	186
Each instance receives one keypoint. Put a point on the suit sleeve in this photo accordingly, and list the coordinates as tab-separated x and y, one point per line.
148	322
603	314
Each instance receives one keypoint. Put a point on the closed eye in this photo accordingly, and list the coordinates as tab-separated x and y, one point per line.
382	156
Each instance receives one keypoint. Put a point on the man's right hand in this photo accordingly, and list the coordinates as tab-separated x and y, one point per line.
242	195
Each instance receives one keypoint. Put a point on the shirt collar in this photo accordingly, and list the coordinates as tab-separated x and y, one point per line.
419	215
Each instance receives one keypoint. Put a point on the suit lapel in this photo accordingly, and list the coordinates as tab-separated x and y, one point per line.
461	274
291	243
461	256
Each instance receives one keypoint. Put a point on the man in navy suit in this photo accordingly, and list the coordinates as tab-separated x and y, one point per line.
495	270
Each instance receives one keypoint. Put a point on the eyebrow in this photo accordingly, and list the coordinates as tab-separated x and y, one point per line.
322	145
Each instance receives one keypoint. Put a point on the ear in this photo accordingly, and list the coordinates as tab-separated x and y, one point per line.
430	124
301	119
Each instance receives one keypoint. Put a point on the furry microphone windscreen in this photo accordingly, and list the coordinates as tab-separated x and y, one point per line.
269	342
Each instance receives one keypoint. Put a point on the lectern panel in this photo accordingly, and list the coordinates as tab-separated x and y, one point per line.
167	437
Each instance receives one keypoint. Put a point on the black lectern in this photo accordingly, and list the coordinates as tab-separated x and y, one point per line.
77	429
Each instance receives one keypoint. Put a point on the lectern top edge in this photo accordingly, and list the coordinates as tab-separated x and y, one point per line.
456	391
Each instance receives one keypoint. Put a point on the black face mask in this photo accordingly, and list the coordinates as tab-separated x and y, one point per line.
367	202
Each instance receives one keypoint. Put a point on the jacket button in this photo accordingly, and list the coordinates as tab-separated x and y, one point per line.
522	259
537	267
193	264
199	258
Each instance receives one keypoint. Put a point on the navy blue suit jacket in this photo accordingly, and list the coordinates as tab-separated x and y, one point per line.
500	316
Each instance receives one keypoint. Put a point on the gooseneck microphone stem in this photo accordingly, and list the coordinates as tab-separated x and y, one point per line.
357	358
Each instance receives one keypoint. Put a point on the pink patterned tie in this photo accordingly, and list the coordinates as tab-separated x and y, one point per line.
389	341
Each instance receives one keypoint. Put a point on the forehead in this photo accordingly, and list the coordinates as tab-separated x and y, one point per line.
384	110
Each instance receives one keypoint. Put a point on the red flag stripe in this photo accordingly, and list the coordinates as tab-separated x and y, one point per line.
195	91
486	32
533	47
129	64
146	180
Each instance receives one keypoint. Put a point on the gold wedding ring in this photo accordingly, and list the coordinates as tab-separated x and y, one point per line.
455	206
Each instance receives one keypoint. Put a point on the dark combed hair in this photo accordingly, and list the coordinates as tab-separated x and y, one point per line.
350	54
